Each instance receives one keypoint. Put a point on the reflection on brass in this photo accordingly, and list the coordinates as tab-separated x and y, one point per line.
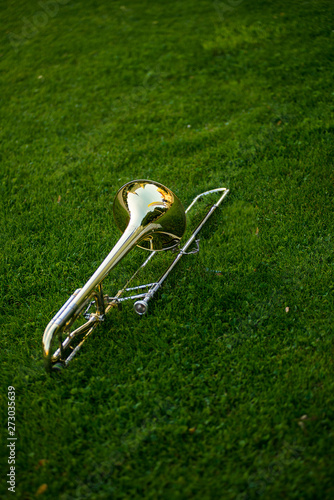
151	217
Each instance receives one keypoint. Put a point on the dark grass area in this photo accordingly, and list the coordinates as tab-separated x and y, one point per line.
225	389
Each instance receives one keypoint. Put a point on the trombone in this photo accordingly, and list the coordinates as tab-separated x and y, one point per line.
150	216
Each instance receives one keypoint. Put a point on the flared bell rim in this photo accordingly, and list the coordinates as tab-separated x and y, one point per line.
147	203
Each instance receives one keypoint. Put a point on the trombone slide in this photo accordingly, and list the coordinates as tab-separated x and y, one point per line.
141	306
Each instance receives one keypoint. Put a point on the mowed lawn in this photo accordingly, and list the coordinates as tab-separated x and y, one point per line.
225	389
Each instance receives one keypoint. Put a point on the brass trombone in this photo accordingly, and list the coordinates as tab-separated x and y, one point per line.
151	217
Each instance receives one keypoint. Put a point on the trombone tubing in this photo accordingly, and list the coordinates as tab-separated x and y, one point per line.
142	305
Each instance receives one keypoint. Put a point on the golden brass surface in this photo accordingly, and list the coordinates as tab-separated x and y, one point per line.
152	206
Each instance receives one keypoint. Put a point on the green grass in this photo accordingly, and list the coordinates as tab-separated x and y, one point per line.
225	389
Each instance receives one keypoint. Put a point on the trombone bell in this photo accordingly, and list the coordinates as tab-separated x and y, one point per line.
152	206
